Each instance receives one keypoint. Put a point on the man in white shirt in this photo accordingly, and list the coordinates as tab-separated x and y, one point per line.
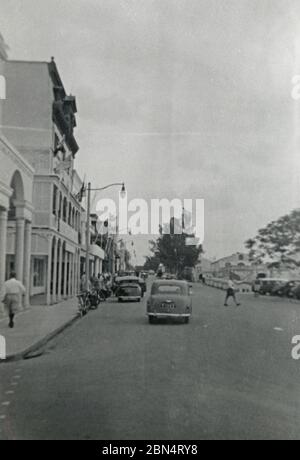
13	291
231	292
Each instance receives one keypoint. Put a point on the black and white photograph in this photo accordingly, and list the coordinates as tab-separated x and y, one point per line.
149	223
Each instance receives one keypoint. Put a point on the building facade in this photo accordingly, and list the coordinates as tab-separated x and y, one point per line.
41	128
16	192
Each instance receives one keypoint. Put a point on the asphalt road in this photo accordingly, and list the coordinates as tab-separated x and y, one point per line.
228	374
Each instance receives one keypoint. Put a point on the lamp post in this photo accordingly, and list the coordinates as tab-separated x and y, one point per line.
88	233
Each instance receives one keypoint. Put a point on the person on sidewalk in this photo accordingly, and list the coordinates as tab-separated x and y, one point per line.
231	292
13	292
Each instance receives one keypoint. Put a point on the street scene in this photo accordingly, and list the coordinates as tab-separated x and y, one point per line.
149	220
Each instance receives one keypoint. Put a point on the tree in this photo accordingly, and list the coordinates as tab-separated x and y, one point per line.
278	244
171	250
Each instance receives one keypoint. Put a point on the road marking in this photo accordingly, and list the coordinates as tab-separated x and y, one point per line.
2	417
16	377
14	384
10	392
278	329
5	403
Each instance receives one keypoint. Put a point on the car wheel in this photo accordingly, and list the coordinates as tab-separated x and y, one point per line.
152	319
186	320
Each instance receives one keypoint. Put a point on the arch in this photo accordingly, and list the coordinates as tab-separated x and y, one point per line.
17	186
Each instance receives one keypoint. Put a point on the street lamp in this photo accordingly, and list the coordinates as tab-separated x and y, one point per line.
89	190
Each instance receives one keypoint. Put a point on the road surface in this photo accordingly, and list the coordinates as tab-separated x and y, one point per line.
228	374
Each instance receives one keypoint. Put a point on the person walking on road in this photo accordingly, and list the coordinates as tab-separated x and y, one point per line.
231	293
13	292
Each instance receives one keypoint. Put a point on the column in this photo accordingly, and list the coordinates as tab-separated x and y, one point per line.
49	271
74	275
27	263
70	275
20	233
65	274
3	236
60	272
54	285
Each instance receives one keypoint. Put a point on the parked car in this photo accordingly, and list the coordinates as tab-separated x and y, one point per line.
268	284
286	290
130	280
129	293
276	289
169	299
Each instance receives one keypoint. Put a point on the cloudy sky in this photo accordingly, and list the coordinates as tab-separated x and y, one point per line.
179	98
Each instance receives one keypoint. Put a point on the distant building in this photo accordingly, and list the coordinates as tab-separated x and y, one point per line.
238	265
237	259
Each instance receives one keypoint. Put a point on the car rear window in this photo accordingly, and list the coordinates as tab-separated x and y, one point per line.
129	290
169	289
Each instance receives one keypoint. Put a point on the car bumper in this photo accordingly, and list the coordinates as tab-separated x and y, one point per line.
174	315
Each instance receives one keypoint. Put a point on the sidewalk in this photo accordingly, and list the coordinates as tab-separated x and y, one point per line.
35	327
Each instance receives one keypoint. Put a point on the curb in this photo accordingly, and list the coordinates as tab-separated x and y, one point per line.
40	343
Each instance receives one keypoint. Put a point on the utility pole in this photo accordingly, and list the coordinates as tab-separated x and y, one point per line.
88	233
88	236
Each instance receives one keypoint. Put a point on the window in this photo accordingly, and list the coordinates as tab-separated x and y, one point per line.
38	272
56	144
54	204
70	215
65	209
169	289
60	205
241	257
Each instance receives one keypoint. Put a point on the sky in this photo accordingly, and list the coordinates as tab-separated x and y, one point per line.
180	99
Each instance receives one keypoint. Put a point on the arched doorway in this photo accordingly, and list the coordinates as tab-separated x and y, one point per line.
16	228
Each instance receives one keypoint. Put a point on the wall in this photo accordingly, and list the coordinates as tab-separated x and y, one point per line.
27	110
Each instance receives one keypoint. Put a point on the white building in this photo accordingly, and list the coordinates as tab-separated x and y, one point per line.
16	211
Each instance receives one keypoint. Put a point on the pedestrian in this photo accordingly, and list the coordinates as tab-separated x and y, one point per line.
231	293
13	292
83	282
